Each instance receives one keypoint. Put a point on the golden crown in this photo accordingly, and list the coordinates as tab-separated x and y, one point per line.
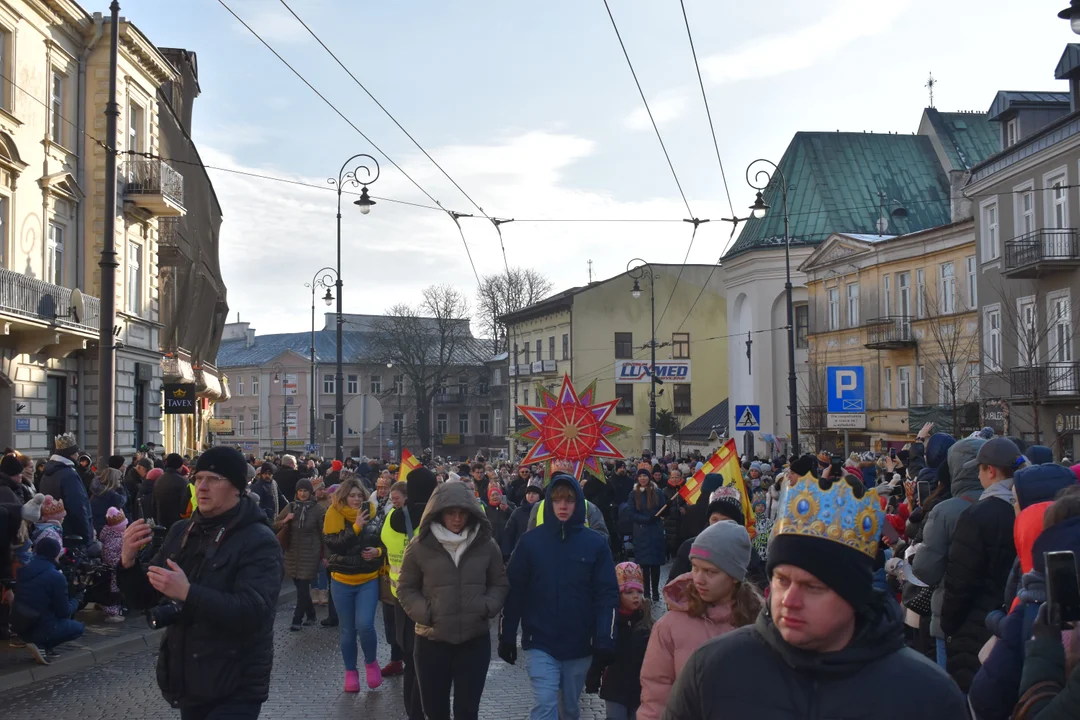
833	514
179	393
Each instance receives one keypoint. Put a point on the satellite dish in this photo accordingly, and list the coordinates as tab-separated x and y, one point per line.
882	226
78	306
363	413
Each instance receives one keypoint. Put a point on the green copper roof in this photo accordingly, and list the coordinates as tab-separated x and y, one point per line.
968	137
834	179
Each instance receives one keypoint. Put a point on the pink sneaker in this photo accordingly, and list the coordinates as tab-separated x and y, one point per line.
374	675
352	681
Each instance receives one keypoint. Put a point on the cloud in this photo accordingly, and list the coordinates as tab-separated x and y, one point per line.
666	107
275	236
771	55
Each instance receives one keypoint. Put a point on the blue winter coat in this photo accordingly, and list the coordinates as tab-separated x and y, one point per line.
650	543
62	482
937	452
563	589
41	586
100	504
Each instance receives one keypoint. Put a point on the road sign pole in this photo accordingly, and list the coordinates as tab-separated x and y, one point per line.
847	448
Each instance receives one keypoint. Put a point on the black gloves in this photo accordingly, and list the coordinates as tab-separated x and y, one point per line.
592	679
1047	622
508	652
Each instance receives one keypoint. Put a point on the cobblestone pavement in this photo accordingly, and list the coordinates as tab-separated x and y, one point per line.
306	684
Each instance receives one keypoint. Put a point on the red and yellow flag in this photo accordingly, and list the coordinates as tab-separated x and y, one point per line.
408	464
724	461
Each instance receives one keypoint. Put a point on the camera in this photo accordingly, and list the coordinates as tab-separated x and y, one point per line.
164	615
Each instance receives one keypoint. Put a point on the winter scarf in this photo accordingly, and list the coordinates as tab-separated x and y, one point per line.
454	543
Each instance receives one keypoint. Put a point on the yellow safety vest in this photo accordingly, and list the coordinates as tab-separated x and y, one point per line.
540	513
395	543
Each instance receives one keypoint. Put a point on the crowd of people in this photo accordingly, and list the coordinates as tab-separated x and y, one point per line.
924	564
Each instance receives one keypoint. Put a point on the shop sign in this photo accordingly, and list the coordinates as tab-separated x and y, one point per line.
1067	422
637	371
179	398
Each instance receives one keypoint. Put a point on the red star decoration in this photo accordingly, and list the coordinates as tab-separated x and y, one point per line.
570	427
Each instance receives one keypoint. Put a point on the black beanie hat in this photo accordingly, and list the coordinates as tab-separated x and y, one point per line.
227	462
116	461
728	507
846	571
174	461
305	484
11	466
421	484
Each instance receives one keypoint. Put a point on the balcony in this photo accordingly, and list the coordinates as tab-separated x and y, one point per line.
153	186
1042	252
544	367
889	333
1036	383
34	312
449	398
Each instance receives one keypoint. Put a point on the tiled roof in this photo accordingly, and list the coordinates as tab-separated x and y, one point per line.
967	137
834	180
715	418
356	347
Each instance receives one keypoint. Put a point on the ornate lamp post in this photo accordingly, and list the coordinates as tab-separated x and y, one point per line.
278	370
325	278
638	272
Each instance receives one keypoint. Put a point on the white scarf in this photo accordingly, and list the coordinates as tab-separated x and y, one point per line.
454	543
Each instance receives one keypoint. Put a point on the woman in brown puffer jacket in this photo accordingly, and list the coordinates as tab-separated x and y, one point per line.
452	584
304	516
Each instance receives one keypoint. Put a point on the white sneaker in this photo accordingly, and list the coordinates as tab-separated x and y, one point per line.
35	652
114	618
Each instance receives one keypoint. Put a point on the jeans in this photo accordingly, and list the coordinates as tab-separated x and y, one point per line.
554	683
356	606
321	581
304	605
618	711
59	633
390	631
941	652
245	711
440	666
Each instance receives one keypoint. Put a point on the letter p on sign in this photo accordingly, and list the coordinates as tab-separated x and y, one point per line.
846	380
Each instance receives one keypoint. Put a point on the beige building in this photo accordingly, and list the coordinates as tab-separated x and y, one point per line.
904	309
602	332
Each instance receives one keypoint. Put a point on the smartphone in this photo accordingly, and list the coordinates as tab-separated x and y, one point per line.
1062	584
889	533
837	464
922	489
892	453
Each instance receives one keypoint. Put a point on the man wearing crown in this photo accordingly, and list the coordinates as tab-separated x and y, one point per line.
63	482
826	644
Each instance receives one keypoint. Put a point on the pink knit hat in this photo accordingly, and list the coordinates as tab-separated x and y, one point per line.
629	577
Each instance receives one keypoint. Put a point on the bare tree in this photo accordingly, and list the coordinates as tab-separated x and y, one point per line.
503	293
952	341
429	344
815	390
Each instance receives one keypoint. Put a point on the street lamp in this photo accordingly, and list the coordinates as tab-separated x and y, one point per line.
277	369
364	203
401	417
637	272
1072	14
762	178
324	278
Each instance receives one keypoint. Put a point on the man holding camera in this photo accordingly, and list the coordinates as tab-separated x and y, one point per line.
214	585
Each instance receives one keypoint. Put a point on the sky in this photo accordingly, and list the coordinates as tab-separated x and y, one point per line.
532	110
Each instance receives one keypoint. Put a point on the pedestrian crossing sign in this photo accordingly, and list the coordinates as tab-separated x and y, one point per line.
747	417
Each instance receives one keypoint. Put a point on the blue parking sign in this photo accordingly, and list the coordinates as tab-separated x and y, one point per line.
846	388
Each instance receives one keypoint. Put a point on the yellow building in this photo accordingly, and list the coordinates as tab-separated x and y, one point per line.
903	308
601	332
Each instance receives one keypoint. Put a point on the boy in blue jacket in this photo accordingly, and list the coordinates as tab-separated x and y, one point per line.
41	588
564	593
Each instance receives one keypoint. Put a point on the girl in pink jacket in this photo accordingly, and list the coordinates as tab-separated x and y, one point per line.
706	602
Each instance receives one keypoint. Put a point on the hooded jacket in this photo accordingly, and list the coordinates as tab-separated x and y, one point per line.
563	590
940	524
62	482
449	602
43	588
101	500
516	526
171	496
937	453
754	672
286	479
674	639
222	646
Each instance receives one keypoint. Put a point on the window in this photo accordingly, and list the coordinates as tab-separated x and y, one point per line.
240	424
992	338
947	387
886	388
528	354
332	432
134	278
802	326
625	394
681	399
903	386
55	407
240	386
463	385
496	376
254	384
328	385
5	68
680	343
498	428
516	357
255	424
135	127
624	346
1060	329
989	231
566	346
973	290
440	423
948	288
54	259
887	294
1027	328
920	293
525	396
352	384
482	385
551	351
833	319
485	418
1011	133
57	110
539	349
376	384
920	380
399	384
973	381
903	286
1059	203
1025	211
399	423
853	305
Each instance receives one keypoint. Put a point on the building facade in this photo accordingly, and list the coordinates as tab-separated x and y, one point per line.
602	332
905	310
1028	212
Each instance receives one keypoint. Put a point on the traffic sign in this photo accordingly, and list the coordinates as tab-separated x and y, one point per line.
846	388
845	421
747	417
309	447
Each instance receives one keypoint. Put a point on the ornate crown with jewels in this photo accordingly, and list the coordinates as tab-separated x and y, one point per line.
834	514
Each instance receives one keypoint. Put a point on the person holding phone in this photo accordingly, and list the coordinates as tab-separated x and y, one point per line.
356	559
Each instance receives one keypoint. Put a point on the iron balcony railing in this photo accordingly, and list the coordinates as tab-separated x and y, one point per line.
1047	380
1043	245
38	300
153	177
169	231
892	330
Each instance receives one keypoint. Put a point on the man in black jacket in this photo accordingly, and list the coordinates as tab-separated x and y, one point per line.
62	481
214	586
171	493
263	486
286	477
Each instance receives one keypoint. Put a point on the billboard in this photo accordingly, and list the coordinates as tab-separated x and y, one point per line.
637	371
290	384
220	426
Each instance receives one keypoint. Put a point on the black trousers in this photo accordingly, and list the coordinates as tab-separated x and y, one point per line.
389	631
406	633
652	580
304	605
441	666
225	711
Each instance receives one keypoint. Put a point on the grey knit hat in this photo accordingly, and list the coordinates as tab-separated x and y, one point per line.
726	545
